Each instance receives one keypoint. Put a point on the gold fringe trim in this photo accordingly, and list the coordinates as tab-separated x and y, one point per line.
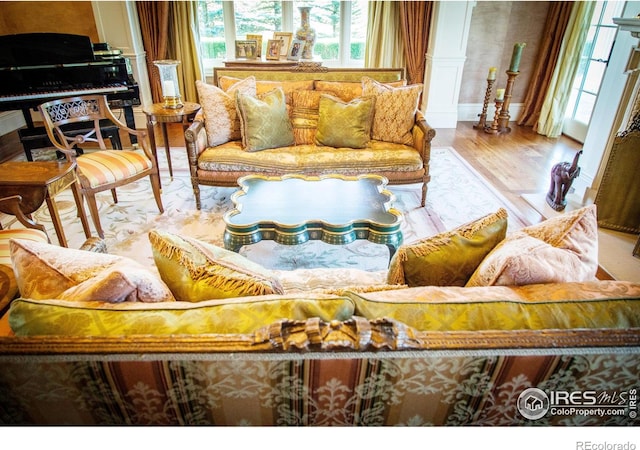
395	275
364	289
228	276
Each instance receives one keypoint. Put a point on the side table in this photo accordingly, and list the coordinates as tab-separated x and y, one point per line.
157	113
40	181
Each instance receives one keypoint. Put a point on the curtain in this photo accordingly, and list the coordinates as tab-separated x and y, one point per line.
384	38
415	20
555	102
554	31
184	45
154	26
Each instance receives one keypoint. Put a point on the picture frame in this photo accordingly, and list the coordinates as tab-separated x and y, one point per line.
246	48
295	52
258	39
286	37
273	49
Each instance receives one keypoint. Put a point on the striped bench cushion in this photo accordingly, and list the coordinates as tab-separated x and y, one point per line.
109	166
25	233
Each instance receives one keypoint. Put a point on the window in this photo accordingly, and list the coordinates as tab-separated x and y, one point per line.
341	27
593	62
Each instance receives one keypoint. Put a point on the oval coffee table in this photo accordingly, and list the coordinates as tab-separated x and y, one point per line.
293	209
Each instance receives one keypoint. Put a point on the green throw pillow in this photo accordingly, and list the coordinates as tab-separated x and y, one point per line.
345	124
264	122
196	271
449	258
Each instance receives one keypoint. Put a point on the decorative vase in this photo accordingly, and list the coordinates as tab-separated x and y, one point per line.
306	33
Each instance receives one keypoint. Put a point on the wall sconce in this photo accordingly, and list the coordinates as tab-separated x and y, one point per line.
169	82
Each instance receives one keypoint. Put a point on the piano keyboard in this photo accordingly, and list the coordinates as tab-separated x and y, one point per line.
64	93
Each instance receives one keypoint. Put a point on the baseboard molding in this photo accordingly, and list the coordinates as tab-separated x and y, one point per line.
470	112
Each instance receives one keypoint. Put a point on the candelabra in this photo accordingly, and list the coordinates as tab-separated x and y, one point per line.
482	122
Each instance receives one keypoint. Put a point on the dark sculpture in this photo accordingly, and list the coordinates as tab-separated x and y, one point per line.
562	176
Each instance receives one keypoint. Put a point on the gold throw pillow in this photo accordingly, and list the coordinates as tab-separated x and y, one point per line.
345	124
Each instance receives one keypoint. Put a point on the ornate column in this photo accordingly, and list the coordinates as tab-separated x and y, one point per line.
445	62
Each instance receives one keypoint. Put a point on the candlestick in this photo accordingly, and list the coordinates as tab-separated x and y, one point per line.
482	122
503	124
495	127
492	73
516	56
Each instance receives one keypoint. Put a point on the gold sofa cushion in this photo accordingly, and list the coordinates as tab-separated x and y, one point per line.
595	304
448	258
45	271
264	86
29	317
345	124
196	271
560	249
264	121
230	157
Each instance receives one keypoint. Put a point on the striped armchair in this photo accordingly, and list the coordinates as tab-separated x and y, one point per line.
100	168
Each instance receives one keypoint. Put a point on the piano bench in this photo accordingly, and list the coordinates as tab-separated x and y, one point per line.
36	137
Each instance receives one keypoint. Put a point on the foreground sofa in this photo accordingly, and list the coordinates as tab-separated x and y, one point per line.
244	345
223	147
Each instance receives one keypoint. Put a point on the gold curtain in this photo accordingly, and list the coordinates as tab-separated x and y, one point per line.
554	31
555	102
416	21
184	45
154	26
384	37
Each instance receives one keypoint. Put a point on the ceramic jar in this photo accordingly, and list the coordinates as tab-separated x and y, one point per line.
306	33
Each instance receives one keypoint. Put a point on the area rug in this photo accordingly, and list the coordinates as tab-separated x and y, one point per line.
456	195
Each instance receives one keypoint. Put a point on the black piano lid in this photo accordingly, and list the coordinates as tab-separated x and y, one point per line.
31	49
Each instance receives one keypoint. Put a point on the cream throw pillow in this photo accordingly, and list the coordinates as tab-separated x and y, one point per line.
561	249
219	109
45	271
395	112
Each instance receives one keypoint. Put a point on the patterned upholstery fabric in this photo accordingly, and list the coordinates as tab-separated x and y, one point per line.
305	107
345	124
29	317
196	271
264	87
560	249
219	108
426	388
109	166
45	271
601	304
396	109
346	90
448	258
230	157
264	121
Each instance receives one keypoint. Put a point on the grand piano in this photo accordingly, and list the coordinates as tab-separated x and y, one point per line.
38	67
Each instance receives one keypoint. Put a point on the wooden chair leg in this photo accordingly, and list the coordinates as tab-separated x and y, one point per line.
93	210
114	195
155	185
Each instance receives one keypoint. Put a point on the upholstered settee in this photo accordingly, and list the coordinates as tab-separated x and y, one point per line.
207	337
369	124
